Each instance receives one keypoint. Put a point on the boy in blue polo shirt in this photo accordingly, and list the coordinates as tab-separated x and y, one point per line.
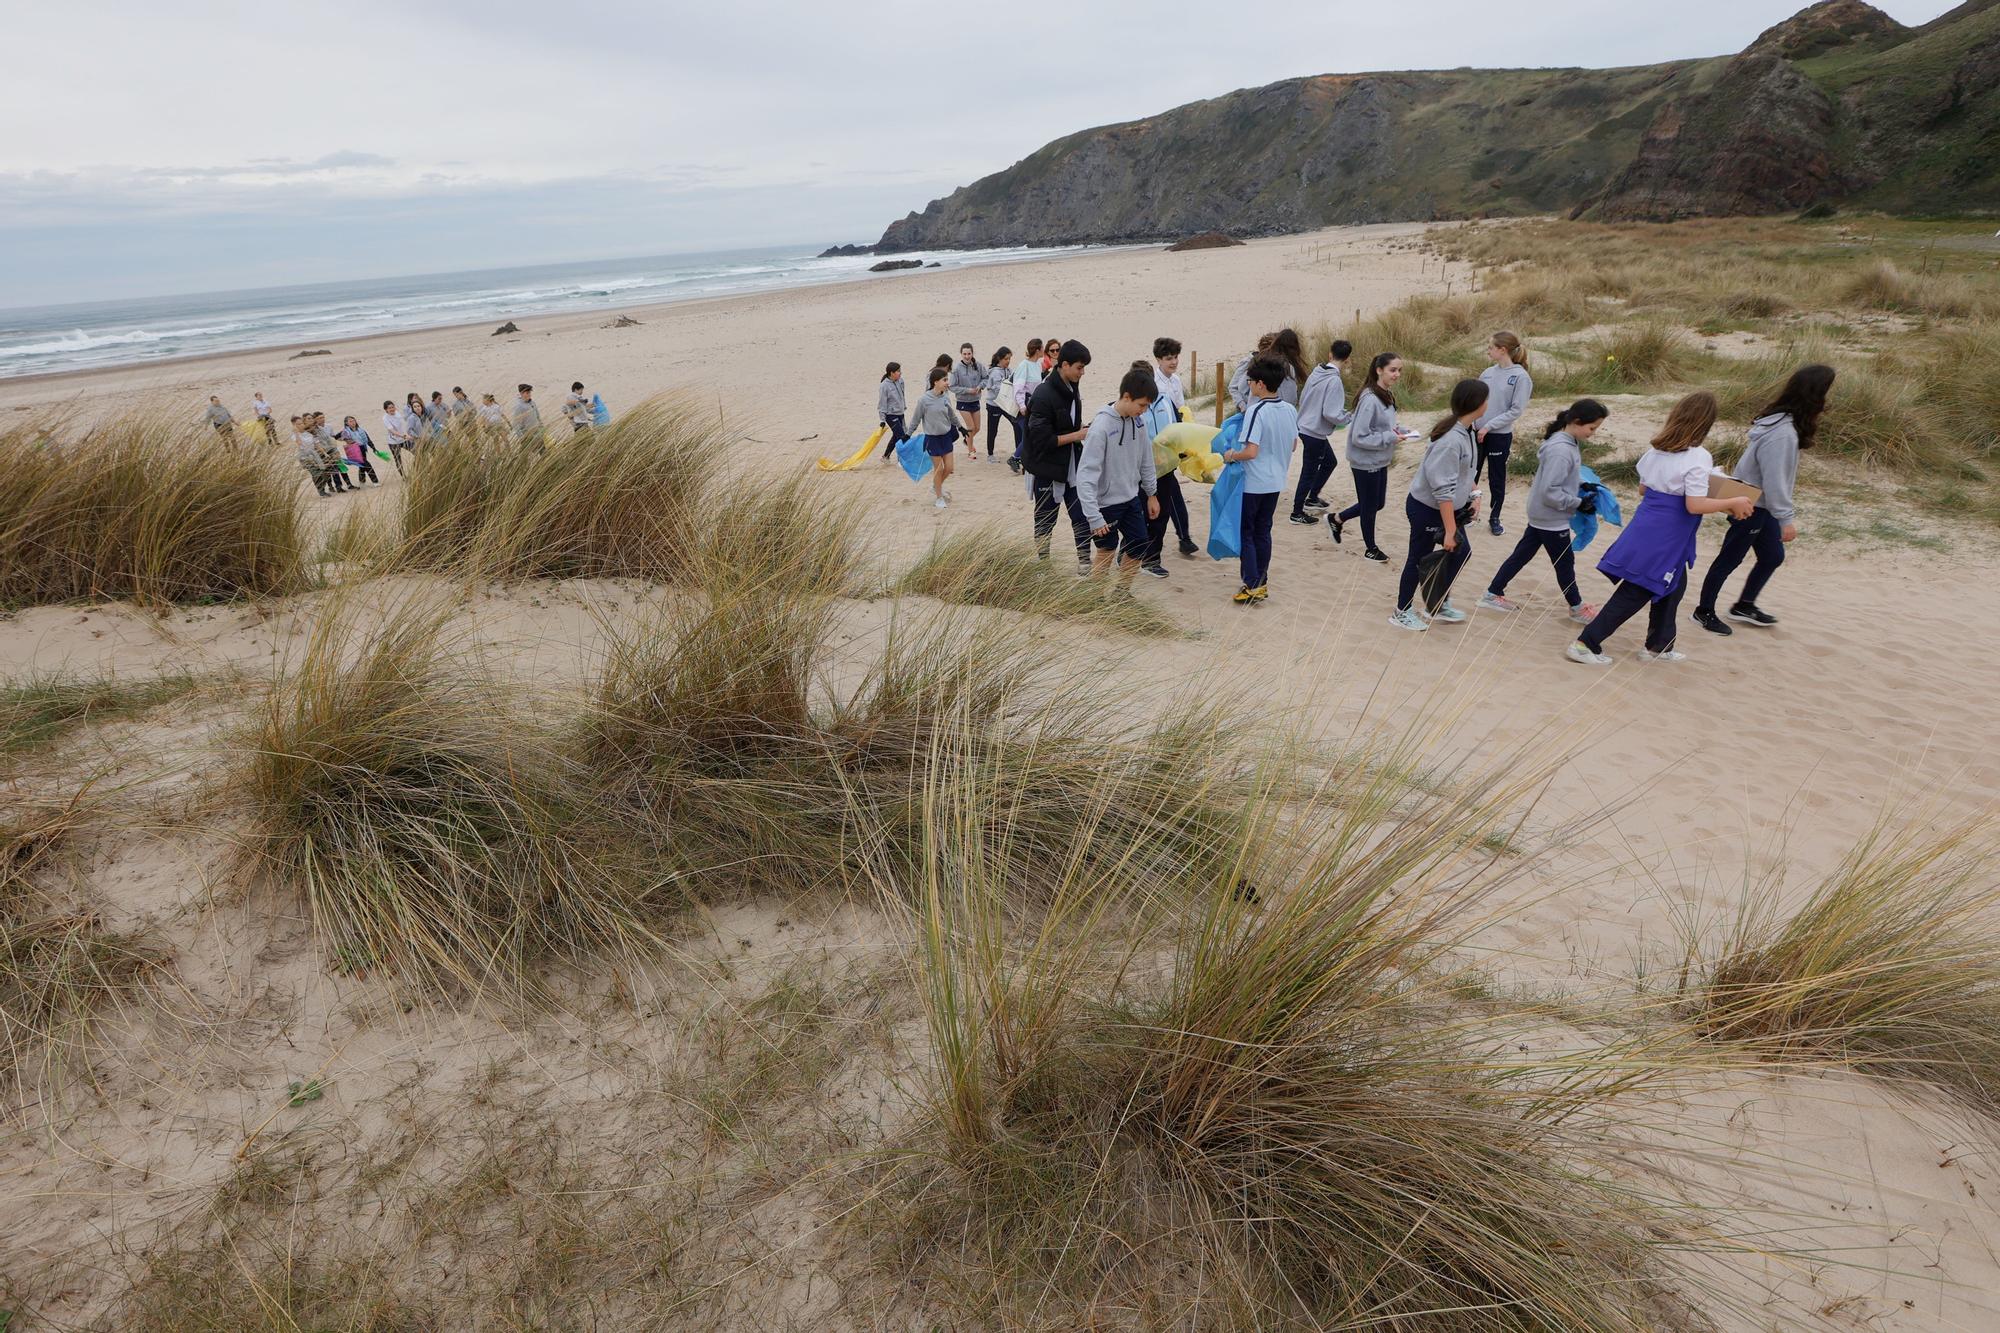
1264	447
1115	471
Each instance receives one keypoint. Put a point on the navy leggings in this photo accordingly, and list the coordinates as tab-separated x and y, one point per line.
1624	603
1314	472
993	418
1371	493
1762	533
1556	545
1426	535
1498	449
894	421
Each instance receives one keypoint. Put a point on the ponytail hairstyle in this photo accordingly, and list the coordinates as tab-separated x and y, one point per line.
1511	345
999	356
1371	382
1582	412
1034	348
1467	397
1286	346
943	362
937	373
1802	399
891	369
1688	424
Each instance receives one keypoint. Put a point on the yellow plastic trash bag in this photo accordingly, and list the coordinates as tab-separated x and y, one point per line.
858	457
1187	445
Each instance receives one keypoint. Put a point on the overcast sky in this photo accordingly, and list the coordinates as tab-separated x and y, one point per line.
159	148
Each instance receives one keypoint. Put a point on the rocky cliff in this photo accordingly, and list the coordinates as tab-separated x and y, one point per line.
1839	103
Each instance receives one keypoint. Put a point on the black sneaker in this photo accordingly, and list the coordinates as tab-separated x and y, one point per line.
1303	519
1711	622
1750	615
1334	525
1496	529
1014	466
1188	547
1157	571
1377	554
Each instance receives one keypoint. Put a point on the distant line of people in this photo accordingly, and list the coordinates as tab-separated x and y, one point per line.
328	457
1120	493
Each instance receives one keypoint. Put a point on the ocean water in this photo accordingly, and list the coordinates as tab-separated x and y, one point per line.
36	339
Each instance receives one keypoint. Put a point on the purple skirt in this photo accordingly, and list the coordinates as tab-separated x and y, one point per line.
1656	549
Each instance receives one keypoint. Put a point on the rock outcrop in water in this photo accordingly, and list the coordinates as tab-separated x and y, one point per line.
1838	104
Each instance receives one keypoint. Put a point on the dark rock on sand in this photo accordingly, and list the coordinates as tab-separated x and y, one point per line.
891	265
317	351
508	327
623	322
1208	240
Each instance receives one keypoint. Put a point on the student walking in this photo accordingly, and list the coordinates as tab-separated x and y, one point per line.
1554	497
460	404
576	411
1055	433
1116	484
396	433
527	423
1322	411
890	406
358	444
438	414
1771	463
934	421
490	414
262	411
332	454
306	448
1372	437
1167	375
1440	503
1000	400
968	381
1027	378
1652	556
1289	350
218	417
1173	512
1264	446
1509	388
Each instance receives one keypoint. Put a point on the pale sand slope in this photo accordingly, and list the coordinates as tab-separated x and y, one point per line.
1770	747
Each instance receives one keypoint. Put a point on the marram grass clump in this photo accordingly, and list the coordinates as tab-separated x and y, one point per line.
993	569
144	510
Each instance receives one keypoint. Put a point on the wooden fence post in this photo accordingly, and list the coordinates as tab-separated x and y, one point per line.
1221	392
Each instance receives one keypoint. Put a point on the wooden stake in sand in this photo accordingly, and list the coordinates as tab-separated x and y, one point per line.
1221	392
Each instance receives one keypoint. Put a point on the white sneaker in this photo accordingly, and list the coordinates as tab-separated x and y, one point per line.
1083	569
940	503
944	495
1493	601
1648	655
1410	620
1576	652
1448	613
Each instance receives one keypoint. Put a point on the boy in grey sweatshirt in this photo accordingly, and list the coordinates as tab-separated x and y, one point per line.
1115	467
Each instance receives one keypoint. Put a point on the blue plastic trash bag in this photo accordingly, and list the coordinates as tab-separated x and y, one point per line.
910	453
600	415
1225	500
1583	527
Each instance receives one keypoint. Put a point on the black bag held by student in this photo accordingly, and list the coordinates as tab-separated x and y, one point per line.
1432	586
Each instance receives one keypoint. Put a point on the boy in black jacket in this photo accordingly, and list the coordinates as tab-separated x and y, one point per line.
1054	438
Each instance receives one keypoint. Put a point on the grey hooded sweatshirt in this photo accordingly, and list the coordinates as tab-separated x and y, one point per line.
1772	463
889	399
1446	475
1239	385
933	415
1116	464
1371	434
1321	410
1558	486
967	381
1508	390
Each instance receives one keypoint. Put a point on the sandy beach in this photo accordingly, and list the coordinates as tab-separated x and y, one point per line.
1879	691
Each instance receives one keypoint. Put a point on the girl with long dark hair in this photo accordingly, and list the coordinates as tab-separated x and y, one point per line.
1372	437
1440	503
1553	498
1771	462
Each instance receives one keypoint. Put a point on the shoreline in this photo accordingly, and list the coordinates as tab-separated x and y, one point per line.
606	312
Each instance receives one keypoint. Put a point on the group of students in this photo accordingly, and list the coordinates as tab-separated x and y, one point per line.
328	457
1120	489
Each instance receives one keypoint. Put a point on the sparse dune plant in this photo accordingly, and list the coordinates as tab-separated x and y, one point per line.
1274	1115
142	510
434	832
1890	967
617	500
989	567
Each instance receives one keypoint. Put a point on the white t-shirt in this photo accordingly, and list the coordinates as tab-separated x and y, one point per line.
1169	386
1684	473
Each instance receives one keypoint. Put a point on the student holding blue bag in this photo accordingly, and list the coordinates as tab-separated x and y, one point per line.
1556	496
1264	447
936	425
